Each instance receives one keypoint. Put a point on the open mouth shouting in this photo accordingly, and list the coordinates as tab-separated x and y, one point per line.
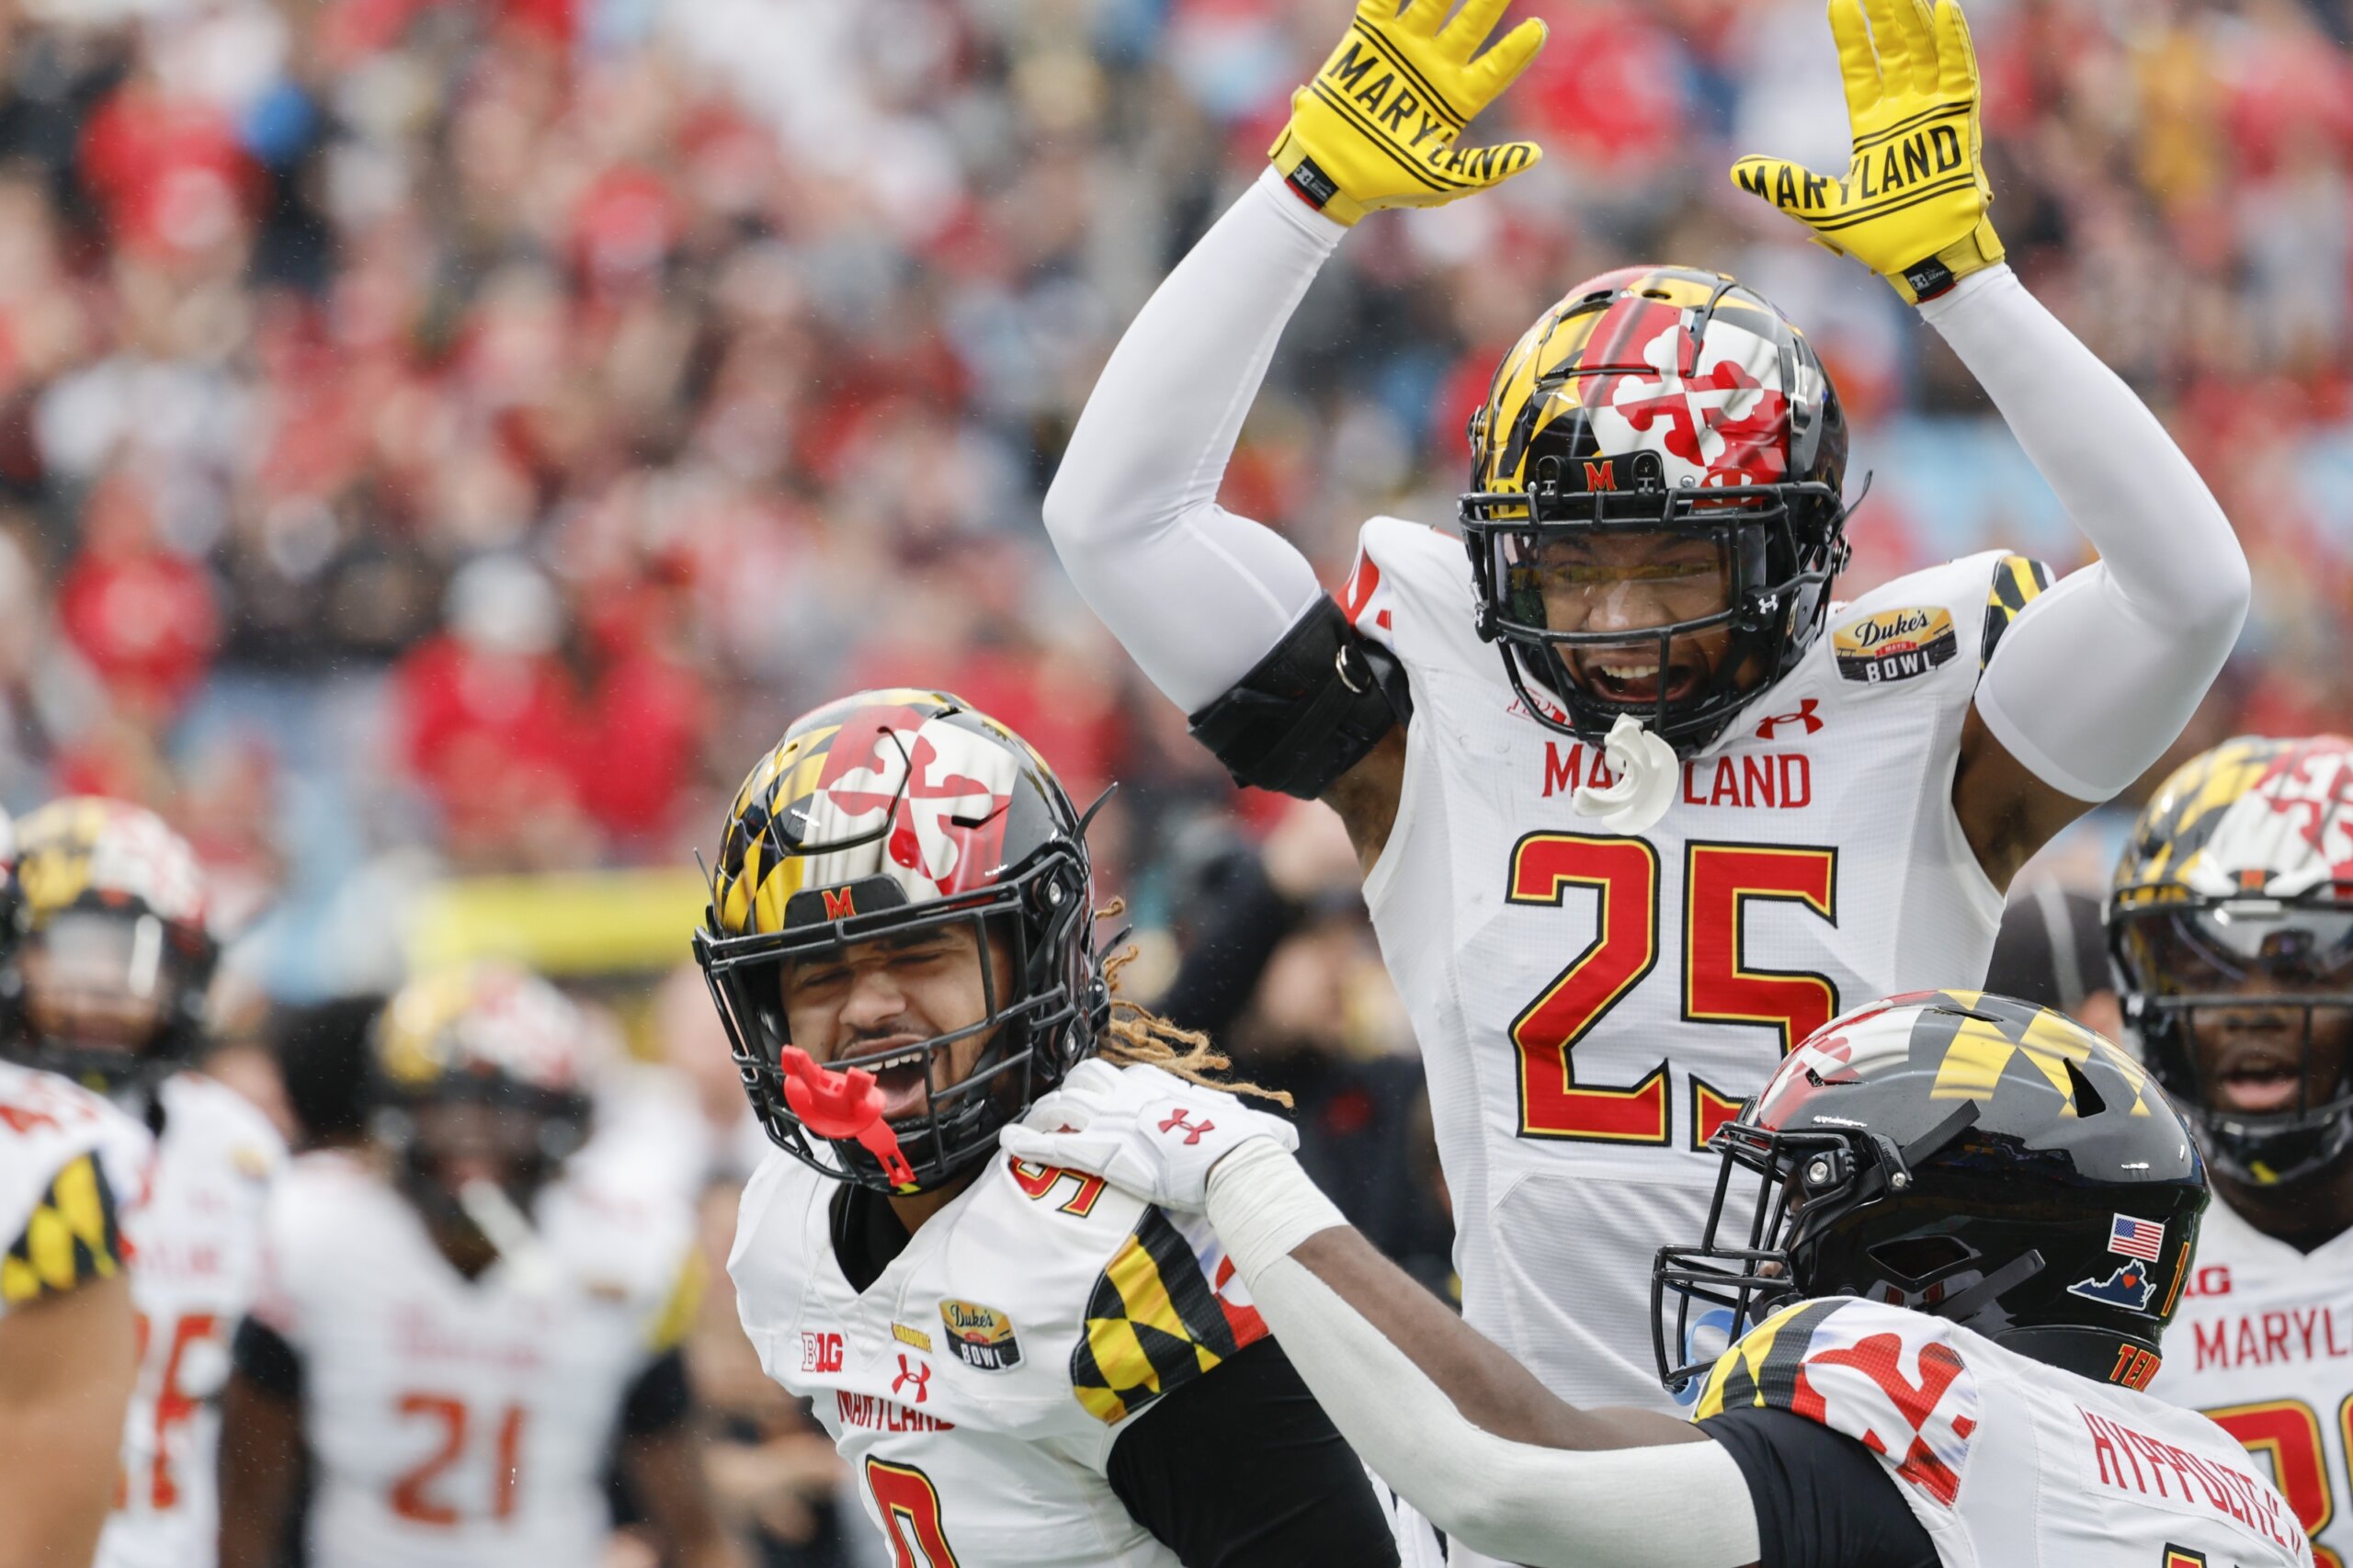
902	1069
2253	1066
1635	677
2258	1082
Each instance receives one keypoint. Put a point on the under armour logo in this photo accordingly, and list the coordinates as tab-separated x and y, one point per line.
1192	1133
917	1373
1804	715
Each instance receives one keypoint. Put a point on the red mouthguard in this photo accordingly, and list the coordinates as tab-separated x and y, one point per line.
843	1106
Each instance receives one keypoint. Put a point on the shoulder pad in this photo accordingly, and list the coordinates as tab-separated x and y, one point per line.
72	1237
2016	582
1167	1308
1309	711
1916	625
1892	1378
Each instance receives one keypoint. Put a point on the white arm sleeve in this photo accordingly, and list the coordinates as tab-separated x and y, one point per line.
1545	1508
1198	594
2098	676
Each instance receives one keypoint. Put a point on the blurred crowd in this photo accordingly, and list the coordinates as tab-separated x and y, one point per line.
455	435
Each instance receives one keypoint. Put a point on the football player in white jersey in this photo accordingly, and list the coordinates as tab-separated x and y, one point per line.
1943	1209
2231	922
107	987
1022	1368
1639	805
455	1326
70	1165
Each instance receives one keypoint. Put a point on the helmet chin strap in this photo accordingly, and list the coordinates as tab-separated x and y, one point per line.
2017	1271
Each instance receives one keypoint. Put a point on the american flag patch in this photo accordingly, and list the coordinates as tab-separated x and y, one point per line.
2143	1239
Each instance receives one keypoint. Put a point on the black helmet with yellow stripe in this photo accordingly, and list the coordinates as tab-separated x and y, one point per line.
1676	414
1964	1154
903	818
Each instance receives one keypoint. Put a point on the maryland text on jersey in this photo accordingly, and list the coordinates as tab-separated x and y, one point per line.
1594	1005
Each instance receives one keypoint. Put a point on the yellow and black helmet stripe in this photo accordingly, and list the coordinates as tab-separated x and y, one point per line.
2180	817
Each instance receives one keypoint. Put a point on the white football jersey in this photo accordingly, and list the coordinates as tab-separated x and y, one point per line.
2007	1463
977	1386
460	1422
2263	1343
199	1240
73	1170
1592	1005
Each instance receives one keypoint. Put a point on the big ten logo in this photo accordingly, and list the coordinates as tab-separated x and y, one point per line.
2210	1279
820	1352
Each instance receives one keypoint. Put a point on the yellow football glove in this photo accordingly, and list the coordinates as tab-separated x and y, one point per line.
1376	128
1911	207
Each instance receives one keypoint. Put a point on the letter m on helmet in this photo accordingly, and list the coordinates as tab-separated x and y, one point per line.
840	902
1602	475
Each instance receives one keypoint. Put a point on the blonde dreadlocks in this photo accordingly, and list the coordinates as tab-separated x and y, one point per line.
1137	1035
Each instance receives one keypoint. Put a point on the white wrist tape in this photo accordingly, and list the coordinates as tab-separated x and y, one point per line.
1262	1205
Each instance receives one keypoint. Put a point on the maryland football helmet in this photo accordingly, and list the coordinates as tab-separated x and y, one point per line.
1963	1155
1658	400
882	815
479	1073
2232	907
107	978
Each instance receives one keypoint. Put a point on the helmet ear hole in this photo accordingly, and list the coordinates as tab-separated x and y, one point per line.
1922	1258
2087	1099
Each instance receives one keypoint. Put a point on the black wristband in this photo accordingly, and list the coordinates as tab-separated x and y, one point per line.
1929	279
1309	711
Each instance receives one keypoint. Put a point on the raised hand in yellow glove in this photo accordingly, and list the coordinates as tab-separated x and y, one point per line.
1377	126
1913	205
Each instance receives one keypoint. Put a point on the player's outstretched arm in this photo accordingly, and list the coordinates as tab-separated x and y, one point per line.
2097	676
1444	1415
67	1363
1204	599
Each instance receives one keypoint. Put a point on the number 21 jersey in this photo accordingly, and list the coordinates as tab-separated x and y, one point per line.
460	1422
1591	1004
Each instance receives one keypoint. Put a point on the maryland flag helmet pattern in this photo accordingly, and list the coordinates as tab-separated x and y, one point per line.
892	812
2238	877
1961	1154
486	1025
111	883
1659	399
